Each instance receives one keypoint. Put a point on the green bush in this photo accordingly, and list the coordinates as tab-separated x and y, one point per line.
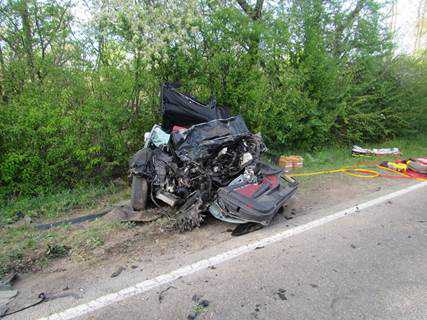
303	73
62	134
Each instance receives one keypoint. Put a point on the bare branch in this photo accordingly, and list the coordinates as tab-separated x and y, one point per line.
245	7
348	22
258	9
352	16
253	13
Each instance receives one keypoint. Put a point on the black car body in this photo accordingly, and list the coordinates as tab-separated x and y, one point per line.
202	160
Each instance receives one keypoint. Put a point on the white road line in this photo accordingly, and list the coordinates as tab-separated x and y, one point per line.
147	285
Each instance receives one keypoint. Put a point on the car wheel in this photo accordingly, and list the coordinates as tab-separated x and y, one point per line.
139	193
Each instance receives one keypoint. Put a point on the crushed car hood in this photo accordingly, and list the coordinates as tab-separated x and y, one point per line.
184	110
201	141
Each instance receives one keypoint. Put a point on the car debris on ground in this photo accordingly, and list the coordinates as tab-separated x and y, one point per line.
201	160
359	151
163	292
415	168
291	162
200	306
7	293
42	297
117	272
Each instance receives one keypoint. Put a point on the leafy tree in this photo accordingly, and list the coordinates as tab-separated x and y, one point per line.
76	99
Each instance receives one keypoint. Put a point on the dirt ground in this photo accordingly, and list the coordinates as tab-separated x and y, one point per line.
148	248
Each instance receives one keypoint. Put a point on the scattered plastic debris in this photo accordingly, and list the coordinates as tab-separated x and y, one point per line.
359	151
281	293
290	162
163	292
118	272
42	297
198	308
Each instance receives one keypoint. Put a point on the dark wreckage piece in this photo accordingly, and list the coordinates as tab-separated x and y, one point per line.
179	109
257	198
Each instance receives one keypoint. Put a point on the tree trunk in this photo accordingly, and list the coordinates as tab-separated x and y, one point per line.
28	36
134	102
2	75
255	13
346	24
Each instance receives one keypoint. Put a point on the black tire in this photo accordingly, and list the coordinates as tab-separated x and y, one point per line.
139	193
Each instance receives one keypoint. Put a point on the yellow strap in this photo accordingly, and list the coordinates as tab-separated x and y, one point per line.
364	173
367	174
356	172
315	173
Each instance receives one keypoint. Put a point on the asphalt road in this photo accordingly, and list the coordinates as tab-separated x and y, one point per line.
372	265
324	264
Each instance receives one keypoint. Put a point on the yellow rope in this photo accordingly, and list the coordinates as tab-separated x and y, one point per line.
315	173
367	174
356	172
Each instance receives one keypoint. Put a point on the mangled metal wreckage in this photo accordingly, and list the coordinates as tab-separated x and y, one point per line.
202	160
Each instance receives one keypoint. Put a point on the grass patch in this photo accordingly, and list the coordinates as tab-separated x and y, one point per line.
55	205
25	248
84	241
339	156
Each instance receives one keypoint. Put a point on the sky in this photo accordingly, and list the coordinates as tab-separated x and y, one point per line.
406	16
404	23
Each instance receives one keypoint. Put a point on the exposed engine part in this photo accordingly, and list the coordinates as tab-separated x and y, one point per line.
167	197
190	215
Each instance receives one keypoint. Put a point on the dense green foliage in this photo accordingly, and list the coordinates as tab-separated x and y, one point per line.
75	99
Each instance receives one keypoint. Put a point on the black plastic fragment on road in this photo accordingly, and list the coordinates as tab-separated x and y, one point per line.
246	228
162	293
117	272
86	218
42	297
204	303
281	293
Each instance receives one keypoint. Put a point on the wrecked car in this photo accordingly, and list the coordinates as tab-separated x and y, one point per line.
202	160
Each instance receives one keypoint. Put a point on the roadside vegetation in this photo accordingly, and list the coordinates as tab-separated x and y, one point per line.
313	76
55	205
77	96
338	156
24	248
